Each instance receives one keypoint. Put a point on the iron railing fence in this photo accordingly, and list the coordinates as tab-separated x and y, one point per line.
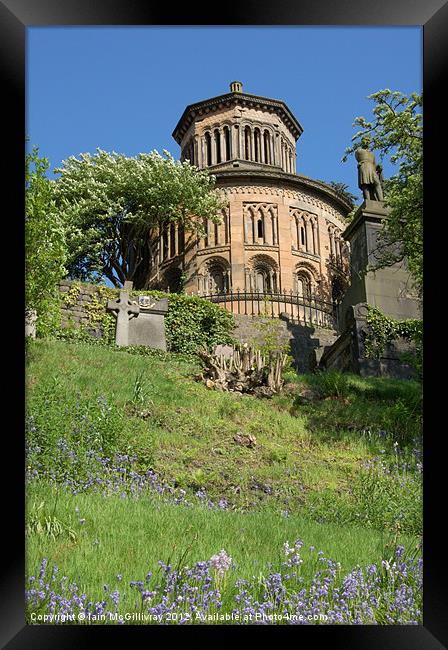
305	310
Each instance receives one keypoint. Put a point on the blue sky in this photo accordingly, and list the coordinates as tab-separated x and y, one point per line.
124	88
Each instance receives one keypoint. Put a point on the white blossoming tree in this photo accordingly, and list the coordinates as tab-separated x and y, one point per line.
112	206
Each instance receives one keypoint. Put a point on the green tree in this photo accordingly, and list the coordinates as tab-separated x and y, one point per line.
397	130
45	244
113	207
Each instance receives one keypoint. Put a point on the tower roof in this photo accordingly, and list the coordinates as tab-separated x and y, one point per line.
234	98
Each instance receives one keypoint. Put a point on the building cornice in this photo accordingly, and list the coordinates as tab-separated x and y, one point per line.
283	180
236	99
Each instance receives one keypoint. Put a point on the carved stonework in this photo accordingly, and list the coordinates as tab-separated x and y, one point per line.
289	194
308	256
261	247
212	250
262	259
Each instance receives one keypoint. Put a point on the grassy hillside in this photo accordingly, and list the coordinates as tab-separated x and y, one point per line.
115	440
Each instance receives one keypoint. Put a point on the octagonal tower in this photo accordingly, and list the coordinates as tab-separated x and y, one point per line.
281	231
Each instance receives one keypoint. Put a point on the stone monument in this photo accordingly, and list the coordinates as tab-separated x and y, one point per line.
389	288
140	321
149	328
124	310
369	173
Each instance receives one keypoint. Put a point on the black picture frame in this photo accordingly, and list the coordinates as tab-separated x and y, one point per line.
15	17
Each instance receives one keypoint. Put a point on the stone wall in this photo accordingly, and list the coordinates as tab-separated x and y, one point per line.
79	302
304	343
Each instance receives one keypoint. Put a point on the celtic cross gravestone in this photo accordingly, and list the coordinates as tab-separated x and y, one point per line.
124	310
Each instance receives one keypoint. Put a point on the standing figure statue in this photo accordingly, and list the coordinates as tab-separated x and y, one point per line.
369	173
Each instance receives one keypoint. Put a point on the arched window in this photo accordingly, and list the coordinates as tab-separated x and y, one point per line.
260	229
218	146
208	147
267	148
228	152
303	236
165	251
217	276
247	143
303	285
257	145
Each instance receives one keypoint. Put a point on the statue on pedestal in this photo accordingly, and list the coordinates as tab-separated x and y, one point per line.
370	178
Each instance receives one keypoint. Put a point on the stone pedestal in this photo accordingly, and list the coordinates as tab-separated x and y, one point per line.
389	289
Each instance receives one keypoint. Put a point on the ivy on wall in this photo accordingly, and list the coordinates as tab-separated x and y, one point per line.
191	322
383	330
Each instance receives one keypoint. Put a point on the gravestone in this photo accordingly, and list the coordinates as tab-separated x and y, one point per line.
140	320
124	310
149	328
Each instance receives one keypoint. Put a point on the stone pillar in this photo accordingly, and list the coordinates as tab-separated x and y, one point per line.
208	240
252	145
217	234
168	236
247	227
237	244
161	244
246	280
278	149
286	260
294	236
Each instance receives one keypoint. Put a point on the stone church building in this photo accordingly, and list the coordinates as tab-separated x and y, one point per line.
281	231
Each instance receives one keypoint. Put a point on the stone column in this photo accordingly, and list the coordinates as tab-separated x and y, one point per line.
176	239
252	145
278	150
237	243
161	245
208	240
246	280
217	234
286	260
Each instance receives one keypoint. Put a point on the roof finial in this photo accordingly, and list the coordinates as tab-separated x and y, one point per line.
236	87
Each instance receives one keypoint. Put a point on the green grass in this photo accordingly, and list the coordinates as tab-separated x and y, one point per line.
128	537
308	460
186	434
